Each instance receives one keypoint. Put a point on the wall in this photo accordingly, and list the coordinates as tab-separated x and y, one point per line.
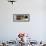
37	25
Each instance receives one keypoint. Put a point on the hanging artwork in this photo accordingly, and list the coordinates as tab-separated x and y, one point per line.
21	17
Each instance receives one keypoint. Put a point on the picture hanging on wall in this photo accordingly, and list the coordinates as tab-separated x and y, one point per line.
21	17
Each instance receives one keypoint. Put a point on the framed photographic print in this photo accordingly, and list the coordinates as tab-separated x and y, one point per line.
21	17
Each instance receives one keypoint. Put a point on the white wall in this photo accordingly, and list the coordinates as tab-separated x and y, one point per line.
36	27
